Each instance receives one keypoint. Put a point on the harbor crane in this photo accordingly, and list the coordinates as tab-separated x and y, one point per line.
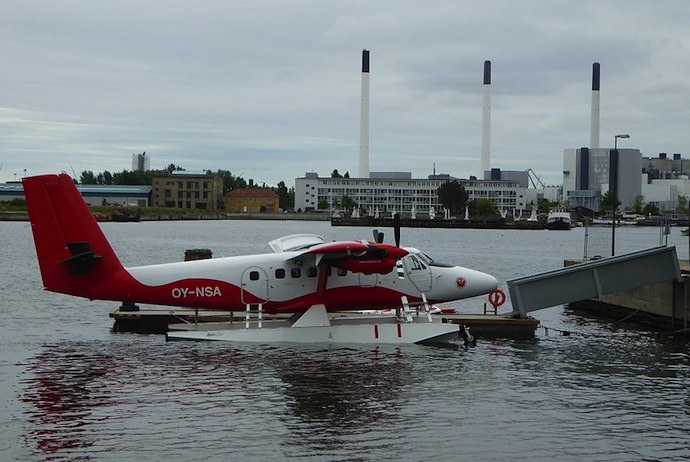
534	179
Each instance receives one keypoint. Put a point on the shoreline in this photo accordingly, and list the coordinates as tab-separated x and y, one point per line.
24	216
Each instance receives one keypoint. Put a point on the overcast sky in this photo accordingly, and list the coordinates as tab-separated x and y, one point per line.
271	89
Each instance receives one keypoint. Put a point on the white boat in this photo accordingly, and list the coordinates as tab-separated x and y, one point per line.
559	219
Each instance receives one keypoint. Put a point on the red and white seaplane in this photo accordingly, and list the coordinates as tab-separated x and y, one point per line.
304	275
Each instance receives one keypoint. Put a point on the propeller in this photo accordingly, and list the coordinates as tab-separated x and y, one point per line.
378	237
396	229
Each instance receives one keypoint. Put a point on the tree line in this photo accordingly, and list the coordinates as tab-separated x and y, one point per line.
145	178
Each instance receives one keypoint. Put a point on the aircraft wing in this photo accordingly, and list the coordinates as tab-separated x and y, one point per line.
355	256
334	250
295	242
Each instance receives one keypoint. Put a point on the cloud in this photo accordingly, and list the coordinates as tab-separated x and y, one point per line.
271	89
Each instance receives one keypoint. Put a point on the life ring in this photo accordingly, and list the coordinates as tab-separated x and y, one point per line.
497	298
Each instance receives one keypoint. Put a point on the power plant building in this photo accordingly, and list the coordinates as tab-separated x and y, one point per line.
664	167
588	174
390	192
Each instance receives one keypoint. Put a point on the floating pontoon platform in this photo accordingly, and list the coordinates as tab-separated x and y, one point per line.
496	325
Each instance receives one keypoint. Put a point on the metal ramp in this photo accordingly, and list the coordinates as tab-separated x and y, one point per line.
593	279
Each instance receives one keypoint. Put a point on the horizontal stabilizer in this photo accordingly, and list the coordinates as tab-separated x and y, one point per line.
82	259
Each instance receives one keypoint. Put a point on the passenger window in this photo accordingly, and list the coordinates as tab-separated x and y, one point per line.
295	273
280	273
253	275
311	272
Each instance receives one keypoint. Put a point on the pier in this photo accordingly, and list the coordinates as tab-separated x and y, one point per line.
663	304
648	282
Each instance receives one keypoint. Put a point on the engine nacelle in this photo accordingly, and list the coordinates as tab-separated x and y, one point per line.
379	258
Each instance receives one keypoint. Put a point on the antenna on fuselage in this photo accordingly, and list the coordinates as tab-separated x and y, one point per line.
396	229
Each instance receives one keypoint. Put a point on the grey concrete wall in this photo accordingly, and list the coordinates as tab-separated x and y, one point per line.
655	299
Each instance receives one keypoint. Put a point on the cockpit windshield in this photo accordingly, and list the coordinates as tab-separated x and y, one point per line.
415	262
431	262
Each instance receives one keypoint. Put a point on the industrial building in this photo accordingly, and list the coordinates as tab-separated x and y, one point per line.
665	179
589	173
390	192
93	194
664	167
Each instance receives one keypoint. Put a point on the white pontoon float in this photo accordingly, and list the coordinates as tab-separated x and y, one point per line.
316	326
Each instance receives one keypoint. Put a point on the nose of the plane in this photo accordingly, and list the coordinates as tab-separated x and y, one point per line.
471	282
488	283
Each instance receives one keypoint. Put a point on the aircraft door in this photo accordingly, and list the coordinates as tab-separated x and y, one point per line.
254	282
418	272
368	280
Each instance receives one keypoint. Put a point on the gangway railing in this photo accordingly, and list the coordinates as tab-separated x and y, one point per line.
593	279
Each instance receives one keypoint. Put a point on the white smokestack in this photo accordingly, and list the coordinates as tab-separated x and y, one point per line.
594	130
364	121
486	120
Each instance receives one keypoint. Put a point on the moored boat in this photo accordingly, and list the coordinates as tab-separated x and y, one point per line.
559	219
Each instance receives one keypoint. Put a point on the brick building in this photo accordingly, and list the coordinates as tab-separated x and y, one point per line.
186	190
252	200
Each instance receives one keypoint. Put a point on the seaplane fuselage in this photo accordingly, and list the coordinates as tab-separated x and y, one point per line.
302	271
289	282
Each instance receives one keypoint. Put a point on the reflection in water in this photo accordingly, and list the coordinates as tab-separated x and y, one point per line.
130	396
343	388
64	392
335	394
99	397
80	393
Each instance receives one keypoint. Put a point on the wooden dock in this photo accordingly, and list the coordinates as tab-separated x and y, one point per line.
156	321
496	326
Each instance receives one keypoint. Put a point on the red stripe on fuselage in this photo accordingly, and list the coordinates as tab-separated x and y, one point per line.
219	295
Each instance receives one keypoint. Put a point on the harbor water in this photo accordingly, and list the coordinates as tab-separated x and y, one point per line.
71	389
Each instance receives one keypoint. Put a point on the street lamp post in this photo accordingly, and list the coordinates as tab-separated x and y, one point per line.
614	189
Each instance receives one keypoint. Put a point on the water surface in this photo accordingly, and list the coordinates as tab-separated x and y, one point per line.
73	390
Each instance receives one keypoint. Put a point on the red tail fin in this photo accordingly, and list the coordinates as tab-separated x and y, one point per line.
73	254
